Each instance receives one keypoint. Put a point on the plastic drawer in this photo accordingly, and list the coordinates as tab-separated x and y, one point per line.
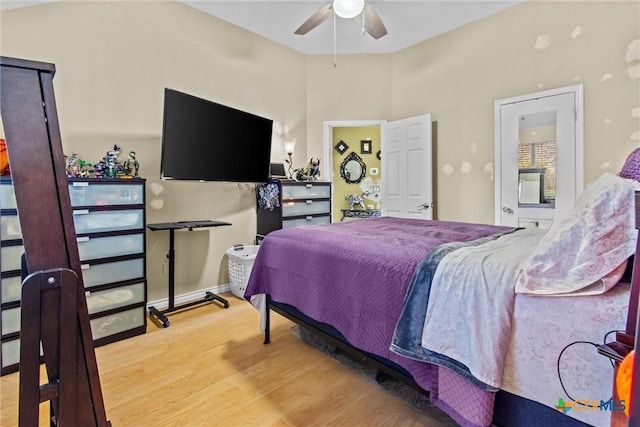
310	220
11	352
313	191
94	194
11	289
10	227
7	197
111	272
307	207
99	301
101	221
118	322
10	320
111	246
11	256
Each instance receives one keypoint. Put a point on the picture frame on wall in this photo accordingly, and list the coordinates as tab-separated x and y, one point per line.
365	146
341	147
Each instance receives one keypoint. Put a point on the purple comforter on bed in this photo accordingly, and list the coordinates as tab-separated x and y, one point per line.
354	276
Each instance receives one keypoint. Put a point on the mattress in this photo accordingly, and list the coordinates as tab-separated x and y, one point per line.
542	327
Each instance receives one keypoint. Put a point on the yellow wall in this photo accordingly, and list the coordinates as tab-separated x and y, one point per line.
352	137
115	58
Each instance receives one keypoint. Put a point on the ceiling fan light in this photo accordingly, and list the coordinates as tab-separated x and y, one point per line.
348	8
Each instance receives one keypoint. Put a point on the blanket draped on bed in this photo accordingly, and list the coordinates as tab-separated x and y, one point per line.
354	276
459	306
408	332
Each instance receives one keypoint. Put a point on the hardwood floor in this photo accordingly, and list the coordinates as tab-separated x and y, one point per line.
210	368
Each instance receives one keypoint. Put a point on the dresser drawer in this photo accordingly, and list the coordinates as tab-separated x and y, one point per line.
7	197
11	256
111	246
10	227
118	322
310	220
11	289
98	194
101	221
307	191
307	207
10	320
99	301
111	272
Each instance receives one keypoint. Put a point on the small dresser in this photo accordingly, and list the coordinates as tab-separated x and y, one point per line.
109	218
284	204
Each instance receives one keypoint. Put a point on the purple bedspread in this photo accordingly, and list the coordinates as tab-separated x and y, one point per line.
354	276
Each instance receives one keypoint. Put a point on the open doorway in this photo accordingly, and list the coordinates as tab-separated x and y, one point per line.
353	165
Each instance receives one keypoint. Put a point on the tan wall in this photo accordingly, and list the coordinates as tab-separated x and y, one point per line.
114	60
358	88
457	77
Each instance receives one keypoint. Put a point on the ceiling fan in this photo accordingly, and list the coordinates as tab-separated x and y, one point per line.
371	22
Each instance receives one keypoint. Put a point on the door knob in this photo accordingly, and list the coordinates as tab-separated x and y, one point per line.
425	205
507	210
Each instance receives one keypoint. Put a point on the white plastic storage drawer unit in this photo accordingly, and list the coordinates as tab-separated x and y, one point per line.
109	219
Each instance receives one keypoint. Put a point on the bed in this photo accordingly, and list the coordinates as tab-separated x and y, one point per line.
392	291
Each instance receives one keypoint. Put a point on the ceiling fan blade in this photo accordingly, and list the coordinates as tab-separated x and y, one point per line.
372	23
316	19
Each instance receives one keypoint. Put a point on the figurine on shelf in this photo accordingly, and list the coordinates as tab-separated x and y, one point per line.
76	167
311	172
131	165
356	199
109	165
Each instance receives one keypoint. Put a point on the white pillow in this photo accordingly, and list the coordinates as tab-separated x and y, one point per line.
585	252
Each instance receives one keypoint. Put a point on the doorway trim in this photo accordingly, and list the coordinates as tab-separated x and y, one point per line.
577	91
329	144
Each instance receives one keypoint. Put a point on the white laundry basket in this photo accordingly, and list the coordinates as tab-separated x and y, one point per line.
241	259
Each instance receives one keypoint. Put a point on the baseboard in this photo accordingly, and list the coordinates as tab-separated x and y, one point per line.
179	299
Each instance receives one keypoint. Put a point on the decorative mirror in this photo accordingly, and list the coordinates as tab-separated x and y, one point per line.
353	169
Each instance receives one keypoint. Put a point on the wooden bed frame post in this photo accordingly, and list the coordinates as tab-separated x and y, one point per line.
32	134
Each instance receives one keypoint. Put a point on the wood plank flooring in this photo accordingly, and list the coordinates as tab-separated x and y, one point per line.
210	368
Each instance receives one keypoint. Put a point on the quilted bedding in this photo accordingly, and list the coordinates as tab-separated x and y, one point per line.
354	276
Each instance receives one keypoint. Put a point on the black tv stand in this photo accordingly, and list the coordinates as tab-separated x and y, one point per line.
161	315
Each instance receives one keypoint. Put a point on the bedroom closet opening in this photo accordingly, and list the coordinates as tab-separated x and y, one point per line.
538	156
380	168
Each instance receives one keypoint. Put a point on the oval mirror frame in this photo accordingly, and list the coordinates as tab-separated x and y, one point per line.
353	169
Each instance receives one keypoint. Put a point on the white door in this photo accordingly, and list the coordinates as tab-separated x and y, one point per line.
407	168
538	159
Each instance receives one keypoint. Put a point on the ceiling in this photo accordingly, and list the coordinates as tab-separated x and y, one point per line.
408	22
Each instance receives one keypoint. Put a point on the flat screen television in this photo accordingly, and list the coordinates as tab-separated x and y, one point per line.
206	141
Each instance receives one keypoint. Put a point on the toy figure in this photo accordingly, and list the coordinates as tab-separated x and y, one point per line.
109	165
311	172
76	167
131	164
